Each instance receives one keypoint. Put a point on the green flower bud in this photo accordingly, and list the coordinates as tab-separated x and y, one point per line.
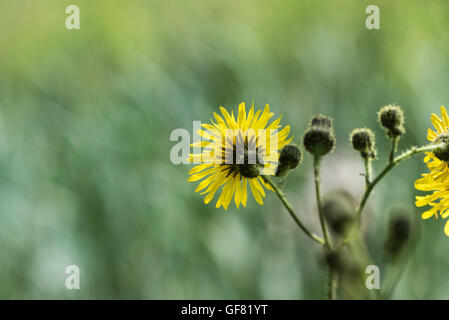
319	141
391	117
400	231
442	152
363	140
338	210
289	159
319	138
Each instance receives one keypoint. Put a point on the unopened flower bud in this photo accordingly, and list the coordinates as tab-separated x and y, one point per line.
338	210
319	139
363	140
289	159
391	117
399	233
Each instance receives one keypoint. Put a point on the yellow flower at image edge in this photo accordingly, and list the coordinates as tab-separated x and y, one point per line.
235	176
437	180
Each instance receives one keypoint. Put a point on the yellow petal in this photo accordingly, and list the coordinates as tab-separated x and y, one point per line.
266	185
199	168
222	197
202	174
203	184
437	123
429	213
259	187
446	228
431	135
230	193
274	125
241	119
213	187
244	195
230	121
444	116
238	193
220	121
255	119
255	192
250	116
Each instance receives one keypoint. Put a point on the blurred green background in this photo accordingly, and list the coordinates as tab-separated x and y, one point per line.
85	120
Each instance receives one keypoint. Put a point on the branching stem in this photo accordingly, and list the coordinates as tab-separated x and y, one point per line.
290	210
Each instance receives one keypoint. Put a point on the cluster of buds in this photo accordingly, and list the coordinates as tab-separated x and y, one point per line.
391	118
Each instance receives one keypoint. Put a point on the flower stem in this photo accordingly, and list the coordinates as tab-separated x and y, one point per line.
368	170
394	143
332	282
391	164
292	213
370	186
316	171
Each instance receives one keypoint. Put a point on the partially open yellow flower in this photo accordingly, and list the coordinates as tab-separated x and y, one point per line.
437	180
234	154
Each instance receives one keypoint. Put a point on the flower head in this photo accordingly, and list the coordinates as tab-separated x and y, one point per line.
437	180
234	154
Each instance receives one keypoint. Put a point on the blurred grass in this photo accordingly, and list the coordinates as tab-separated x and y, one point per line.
85	118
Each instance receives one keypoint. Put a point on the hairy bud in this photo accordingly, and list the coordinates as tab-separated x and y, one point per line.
289	159
391	117
363	140
319	139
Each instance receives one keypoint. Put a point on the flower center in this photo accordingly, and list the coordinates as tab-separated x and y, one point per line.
243	156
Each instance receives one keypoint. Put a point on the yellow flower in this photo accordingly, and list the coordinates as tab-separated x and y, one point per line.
437	180
234	152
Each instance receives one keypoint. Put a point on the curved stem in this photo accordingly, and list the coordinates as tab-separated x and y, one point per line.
316	171
292	213
369	187
405	155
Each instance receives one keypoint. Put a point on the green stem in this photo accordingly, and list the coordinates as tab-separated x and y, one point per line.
331	287
370	186
292	213
394	143
332	282
316	171
367	162
391	164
